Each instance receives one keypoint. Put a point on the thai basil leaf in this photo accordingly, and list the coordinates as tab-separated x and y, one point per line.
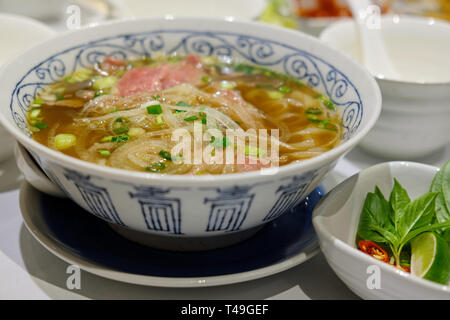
432	227
374	218
446	185
442	214
442	211
386	206
416	214
398	200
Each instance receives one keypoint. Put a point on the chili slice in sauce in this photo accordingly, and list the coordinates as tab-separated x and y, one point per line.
373	250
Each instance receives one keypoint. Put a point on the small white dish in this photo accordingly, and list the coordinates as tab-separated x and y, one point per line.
336	219
19	33
415	117
82	239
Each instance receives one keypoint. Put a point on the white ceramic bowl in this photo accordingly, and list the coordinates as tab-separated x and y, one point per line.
17	34
415	118
336	219
189	206
248	9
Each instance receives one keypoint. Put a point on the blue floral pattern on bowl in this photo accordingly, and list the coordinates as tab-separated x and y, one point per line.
299	64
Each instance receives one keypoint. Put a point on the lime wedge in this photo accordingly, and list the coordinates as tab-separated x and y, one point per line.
430	258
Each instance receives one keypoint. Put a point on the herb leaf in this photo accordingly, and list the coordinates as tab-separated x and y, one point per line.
375	220
441	205
398	200
416	214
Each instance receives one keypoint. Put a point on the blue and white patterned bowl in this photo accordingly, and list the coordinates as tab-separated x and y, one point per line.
189	206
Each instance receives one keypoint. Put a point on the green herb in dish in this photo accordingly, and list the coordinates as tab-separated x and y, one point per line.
394	223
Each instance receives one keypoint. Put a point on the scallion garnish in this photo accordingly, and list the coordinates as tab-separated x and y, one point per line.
326	102
121	130
166	155
183	104
40	125
104	153
284	89
120	138
155	109
313	110
156	167
193	118
206	80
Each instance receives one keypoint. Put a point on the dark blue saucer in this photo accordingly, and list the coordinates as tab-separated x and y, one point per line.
91	239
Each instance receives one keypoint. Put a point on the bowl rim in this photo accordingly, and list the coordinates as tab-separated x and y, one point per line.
134	176
323	233
392	19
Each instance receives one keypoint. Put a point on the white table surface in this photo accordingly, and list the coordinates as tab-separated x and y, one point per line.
29	271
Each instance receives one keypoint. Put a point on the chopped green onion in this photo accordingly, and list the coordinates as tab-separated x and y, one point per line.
252	151
35	113
328	126
156	97
37	101
60	91
227	84
81	74
119	120
155	109
206	79
174	59
275	94
183	104
104	82
41	125
104	153
120	138
204	120
107	139
64	141
191	118
58	97
159	119
313	110
121	130
313	118
220	143
136	132
156	167
166	155
284	89
327	102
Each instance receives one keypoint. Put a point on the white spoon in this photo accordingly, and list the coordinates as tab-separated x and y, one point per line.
375	56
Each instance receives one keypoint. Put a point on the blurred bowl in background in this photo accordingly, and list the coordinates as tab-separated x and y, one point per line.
17	33
42	9
415	117
248	9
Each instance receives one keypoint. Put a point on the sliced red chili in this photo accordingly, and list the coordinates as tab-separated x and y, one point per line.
373	250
